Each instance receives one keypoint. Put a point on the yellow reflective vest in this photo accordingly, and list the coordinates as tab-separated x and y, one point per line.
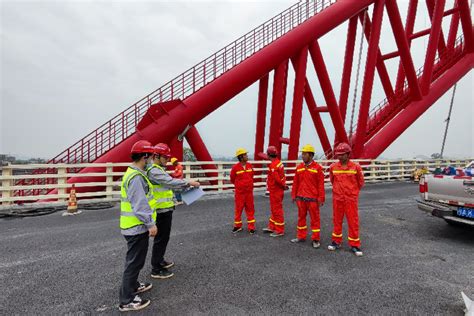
127	217
163	197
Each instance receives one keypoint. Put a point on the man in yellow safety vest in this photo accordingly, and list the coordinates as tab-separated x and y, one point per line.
163	205
137	224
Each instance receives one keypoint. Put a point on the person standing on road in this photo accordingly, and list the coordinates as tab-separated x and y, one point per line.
241	176
177	174
137	225
276	184
347	179
163	186
308	193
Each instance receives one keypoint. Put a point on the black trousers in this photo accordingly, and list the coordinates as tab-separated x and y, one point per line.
134	262
163	222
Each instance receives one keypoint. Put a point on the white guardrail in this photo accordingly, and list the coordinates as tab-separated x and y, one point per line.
19	185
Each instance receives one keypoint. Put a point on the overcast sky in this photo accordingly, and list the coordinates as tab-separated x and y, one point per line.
69	66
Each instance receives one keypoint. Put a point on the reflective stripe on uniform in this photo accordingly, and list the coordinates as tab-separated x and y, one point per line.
251	221
353	239
301	227
238	222
279	224
313	170
239	172
315	230
299	170
336	235
345	171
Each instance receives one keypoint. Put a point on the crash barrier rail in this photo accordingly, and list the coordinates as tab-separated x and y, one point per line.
214	177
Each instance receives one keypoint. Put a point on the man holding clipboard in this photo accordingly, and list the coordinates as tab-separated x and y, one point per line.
163	186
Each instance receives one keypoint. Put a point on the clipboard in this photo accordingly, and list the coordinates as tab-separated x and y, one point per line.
192	195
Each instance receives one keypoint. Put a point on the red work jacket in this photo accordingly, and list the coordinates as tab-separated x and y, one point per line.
242	177
309	182
178	172
276	179
346	180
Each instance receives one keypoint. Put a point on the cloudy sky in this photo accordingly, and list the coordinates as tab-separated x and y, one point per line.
69	66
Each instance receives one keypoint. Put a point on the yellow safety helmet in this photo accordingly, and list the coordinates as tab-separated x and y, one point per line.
240	151
174	159
308	148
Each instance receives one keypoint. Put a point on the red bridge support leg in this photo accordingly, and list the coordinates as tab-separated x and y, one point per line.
200	150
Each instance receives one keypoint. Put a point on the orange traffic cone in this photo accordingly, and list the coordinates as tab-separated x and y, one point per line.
72	203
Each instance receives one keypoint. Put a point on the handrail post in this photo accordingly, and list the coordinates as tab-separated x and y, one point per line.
109	182
389	171
220	180
62	179
187	172
7	171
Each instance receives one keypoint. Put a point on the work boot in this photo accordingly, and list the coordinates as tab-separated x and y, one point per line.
166	265
276	234
334	246
161	274
297	240
267	230
236	230
252	231
143	287
316	244
357	251
135	305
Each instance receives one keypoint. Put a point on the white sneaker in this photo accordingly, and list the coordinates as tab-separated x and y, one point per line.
135	305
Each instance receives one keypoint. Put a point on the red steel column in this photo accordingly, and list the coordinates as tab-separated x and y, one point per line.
432	45
347	70
453	28
430	4
278	105
411	15
325	82
318	123
466	23
261	116
392	130
368	78
176	147
299	63
403	48
200	151
381	69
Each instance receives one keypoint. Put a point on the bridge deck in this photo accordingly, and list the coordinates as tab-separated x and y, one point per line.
413	263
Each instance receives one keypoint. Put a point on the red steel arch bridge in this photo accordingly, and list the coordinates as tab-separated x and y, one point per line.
292	39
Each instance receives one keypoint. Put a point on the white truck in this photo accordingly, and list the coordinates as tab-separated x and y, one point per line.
449	197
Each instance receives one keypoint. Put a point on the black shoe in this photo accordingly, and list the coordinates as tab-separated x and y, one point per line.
166	265
135	305
252	231
236	229
162	274
143	287
267	230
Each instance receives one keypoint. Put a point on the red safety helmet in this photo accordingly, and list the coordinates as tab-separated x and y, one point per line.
342	148
272	150
141	147
163	150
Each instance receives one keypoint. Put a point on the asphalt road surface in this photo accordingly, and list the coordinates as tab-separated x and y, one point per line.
413	263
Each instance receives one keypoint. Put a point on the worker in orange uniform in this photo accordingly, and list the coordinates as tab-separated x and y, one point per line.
276	184
347	179
308	193
177	174
241	176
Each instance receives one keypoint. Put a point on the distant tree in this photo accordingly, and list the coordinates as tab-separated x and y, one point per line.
436	156
188	154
